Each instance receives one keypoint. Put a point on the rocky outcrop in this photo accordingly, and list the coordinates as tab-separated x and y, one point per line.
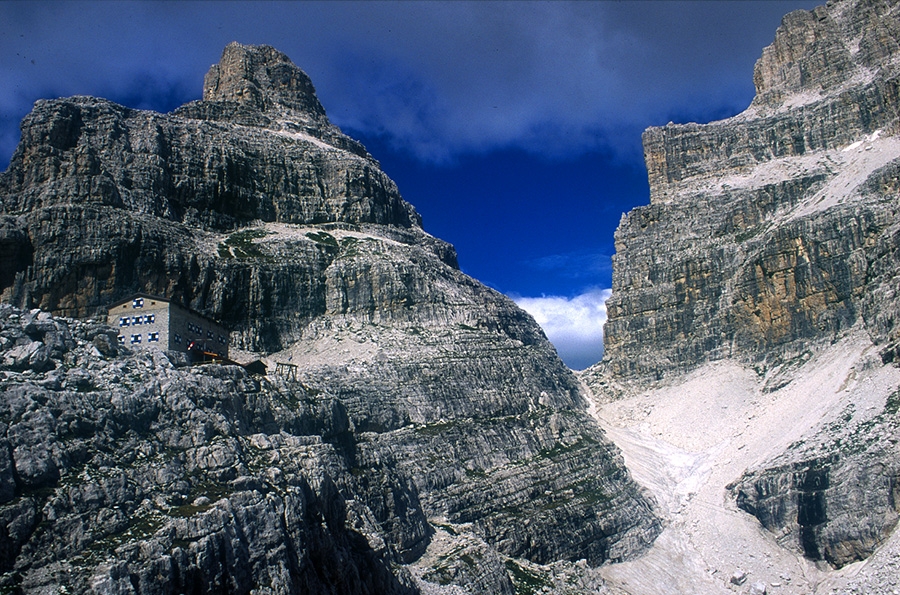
773	220
833	496
126	469
422	398
126	474
152	195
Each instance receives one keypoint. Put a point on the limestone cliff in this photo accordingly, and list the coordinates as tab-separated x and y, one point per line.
429	411
780	224
768	236
152	195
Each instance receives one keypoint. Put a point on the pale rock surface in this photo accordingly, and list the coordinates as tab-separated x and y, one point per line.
690	441
780	224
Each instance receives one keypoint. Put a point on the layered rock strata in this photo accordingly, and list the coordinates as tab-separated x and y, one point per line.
151	196
833	496
769	235
780	224
122	473
423	399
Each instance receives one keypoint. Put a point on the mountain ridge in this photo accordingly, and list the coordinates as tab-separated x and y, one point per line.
426	408
431	440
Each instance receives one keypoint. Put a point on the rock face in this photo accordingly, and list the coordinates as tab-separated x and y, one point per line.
423	399
768	235
125	474
833	497
780	223
153	195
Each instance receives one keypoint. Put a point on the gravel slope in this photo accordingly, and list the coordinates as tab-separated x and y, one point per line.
686	440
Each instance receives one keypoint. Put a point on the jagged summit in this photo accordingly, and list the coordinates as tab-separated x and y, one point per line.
829	79
261	77
99	199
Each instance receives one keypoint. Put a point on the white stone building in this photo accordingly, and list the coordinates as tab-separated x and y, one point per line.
145	320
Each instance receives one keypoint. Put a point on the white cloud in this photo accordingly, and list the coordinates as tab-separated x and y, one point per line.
573	325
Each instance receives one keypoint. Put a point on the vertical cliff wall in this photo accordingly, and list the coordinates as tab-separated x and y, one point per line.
776	227
770	236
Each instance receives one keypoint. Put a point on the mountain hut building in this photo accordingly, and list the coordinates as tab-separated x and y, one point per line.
146	321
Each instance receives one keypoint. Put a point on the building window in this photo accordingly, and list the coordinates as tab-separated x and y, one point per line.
221	339
121	339
137	320
149	318
178	338
152	337
135	338
210	335
137	303
125	321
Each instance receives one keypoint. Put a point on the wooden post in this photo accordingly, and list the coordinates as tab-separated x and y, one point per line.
286	371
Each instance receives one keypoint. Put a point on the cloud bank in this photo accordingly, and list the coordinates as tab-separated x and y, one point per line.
438	79
573	325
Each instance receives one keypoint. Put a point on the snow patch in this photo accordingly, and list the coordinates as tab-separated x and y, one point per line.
303	136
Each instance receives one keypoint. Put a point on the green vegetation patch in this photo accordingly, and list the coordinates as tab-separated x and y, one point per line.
323	237
746	234
448	528
349	247
187	510
525	581
212	490
559	448
240	244
436	428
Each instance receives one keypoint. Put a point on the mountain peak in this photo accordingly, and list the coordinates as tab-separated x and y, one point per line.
260	77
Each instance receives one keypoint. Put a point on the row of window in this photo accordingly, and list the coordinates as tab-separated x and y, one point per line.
136	320
136	338
154	338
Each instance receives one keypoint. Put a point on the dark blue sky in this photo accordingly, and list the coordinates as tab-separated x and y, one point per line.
513	127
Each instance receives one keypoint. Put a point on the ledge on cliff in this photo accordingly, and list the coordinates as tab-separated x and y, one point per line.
830	77
422	397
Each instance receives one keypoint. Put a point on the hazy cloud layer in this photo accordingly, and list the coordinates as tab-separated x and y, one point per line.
436	78
573	325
